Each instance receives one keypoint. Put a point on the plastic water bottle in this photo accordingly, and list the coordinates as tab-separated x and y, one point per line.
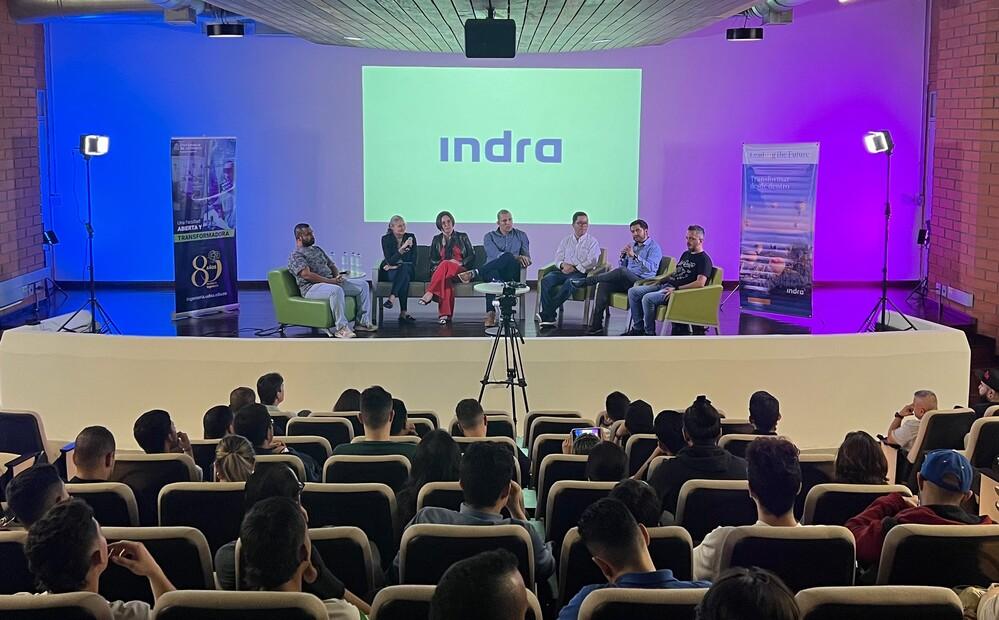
344	265
360	263
354	263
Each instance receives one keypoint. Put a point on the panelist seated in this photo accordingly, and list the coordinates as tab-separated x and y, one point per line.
577	254
508	250
399	264
318	278
639	260
451	253
692	271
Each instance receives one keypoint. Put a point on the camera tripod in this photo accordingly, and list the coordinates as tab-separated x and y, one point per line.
509	333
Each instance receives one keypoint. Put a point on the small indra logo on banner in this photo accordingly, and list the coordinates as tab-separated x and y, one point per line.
502	150
207	269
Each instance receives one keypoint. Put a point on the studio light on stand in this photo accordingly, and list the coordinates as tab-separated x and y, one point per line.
878	142
100	321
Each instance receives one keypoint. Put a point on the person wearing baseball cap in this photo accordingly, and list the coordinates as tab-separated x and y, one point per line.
944	483
988	389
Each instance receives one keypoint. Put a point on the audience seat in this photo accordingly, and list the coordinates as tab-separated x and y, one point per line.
422	426
440	494
654	465
816	469
940	429
22	432
704	505
429	549
464	442
544	445
334	430
263	461
354	417
835	504
736	443
567	500
182	553
72	606
804	557
204	456
279	420
557	467
113	502
213	508
317	447
193	605
14	576
424	414
497	425
547	425
670	547
983	443
881	602
347	553
370	507
396	438
147	474
547	413
940	555
391	470
413	603
640	604
639	448
732	426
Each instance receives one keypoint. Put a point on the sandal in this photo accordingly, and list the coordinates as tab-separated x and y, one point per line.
424	302
443	320
387	304
403	318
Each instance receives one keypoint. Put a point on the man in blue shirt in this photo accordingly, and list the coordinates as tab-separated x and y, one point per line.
508	250
639	260
620	548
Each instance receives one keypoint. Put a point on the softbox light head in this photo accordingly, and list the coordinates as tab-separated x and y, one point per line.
879	142
92	145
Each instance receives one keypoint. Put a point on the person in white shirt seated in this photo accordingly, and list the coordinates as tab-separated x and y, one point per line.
905	425
66	553
276	552
774	482
576	256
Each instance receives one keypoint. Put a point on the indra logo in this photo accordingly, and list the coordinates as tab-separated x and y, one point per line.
502	150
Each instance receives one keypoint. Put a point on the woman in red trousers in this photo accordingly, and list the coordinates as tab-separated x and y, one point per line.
450	254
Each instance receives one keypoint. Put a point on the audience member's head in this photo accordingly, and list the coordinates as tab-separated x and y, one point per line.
641	499
275	481
217	422
400	418
617	543
234	459
774	475
437	459
33	492
607	462
616	405
471	418
668	428
923	401
988	385
638	418
944	479
376	411
764	412
275	549
486	472
241	397
748	594
860	460
702	423
254	423
584	444
270	388
94	453
487	586
65	549
155	433
350	400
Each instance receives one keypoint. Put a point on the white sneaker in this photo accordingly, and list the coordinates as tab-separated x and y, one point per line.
343	332
548	323
365	327
537	318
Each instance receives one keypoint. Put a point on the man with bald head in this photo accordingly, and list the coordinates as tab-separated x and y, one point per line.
93	455
905	426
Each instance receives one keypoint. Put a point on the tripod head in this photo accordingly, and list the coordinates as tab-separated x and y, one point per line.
507	300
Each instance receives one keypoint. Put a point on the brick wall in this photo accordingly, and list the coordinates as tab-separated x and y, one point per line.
22	72
964	71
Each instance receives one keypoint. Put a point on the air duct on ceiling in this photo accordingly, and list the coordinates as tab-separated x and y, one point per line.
773	11
34	11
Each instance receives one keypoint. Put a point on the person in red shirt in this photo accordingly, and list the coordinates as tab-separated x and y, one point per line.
944	483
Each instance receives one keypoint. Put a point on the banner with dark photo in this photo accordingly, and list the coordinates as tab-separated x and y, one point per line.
778	227
204	224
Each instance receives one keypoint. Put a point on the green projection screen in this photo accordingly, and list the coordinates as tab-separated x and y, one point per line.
542	143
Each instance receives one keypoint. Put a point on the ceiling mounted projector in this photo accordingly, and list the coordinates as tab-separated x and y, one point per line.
744	34
490	37
223	31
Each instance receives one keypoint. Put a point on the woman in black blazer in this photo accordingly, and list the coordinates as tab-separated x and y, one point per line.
399	248
450	253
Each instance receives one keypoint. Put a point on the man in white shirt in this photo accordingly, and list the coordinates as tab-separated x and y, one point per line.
905	425
774	482
576	255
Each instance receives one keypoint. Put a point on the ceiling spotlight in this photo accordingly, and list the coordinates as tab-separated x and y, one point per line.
744	34
225	31
353	38
598	41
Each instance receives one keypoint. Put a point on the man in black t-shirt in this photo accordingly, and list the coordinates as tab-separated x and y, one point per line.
692	271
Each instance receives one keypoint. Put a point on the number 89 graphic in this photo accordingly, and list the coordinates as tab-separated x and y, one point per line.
207	269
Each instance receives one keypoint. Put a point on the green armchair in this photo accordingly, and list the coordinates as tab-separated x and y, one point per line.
620	300
584	295
291	308
695	306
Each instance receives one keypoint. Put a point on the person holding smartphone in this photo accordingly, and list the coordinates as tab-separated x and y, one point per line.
399	250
